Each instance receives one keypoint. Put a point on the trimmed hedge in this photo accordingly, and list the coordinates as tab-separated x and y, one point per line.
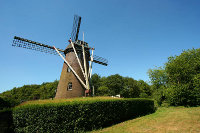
78	116
6	121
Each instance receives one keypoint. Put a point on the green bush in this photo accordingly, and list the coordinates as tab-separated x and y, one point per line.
4	103
6	121
78	116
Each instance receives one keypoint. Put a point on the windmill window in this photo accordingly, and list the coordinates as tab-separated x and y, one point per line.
68	69
69	86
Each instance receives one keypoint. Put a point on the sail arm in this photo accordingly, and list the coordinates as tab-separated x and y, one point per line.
28	44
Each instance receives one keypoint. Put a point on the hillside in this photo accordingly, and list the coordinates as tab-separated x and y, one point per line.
172	119
30	92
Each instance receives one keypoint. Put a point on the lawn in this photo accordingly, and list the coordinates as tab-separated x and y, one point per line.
170	120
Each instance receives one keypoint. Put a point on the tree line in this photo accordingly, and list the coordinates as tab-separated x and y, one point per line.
103	86
28	92
177	83
116	84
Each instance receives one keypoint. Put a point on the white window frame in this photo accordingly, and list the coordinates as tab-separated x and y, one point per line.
69	86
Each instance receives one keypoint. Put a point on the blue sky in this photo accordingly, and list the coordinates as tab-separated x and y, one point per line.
134	35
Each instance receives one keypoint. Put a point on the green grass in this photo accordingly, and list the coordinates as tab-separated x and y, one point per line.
164	120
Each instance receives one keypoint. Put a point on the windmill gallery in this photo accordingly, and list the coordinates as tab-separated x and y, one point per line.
77	68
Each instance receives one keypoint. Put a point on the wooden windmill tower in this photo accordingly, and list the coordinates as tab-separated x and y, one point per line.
77	67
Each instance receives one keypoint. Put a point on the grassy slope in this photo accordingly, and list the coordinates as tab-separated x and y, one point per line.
172	120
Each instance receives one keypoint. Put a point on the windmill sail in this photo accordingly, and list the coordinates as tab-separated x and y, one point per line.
75	28
77	54
28	44
100	60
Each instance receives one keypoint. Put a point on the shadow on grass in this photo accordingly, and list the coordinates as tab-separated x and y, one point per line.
112	123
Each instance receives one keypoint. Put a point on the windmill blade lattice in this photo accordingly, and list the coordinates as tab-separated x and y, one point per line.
28	44
100	60
75	28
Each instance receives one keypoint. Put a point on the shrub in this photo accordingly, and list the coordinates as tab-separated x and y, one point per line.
4	103
77	116
6	121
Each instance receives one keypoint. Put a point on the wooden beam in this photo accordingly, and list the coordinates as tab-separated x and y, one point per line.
78	59
85	65
90	67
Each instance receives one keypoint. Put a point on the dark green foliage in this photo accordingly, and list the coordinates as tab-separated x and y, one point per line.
78	116
6	121
95	81
103	91
178	95
178	82
103	86
131	88
145	89
4	103
125	86
158	79
159	95
183	78
114	83
196	92
30	92
182	69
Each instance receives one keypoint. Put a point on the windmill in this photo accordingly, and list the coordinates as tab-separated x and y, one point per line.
77	68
